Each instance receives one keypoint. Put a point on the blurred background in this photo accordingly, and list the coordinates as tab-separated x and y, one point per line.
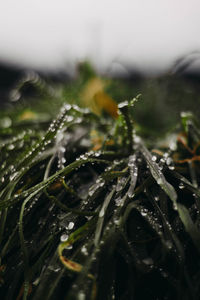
152	46
114	35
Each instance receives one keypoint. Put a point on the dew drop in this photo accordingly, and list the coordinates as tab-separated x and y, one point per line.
10	147
56	269
84	250
164	274
168	161
160	181
123	104
171	167
63	160
148	261
143	213
120	184
64	238
118	201
81	295
15	95
62	149
169	244
13	176
137	139
172	146
154	158
97	154
67	107
101	213
117	222
91	192
181	186
71	225
69	118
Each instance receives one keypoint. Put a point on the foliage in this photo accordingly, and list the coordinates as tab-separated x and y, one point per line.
91	209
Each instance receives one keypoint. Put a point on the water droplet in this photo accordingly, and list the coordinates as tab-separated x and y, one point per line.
119	201
117	222
91	192
36	281
5	122
143	213
15	95
181	186
71	225
84	250
165	155
101	213
131	161
164	274
83	157
69	118
101	183
55	269
137	139
120	184
172	145
171	167
97	154
168	161
154	158
10	147
13	176
123	104
169	244
81	295
67	106
159	181
148	261
64	238
63	160
62	149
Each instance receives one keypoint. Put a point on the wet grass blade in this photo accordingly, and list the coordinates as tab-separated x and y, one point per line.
158	175
189	225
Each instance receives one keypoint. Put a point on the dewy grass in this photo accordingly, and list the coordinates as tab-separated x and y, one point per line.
90	209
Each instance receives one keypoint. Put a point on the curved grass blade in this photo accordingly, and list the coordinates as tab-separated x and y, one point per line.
134	174
42	185
101	217
80	233
190	227
23	247
158	175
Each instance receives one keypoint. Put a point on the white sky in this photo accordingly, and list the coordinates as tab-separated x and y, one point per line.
58	33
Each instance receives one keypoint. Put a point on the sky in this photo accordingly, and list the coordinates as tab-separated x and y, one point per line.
114	35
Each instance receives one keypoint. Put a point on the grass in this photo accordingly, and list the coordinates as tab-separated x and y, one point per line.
95	207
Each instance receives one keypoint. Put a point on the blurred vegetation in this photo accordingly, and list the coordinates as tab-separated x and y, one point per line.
99	189
163	98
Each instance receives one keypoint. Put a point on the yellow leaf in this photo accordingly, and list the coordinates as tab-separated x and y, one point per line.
94	97
106	103
71	265
27	115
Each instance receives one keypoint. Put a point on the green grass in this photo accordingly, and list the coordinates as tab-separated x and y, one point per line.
96	208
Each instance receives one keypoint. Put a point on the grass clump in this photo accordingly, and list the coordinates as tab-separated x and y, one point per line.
90	209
